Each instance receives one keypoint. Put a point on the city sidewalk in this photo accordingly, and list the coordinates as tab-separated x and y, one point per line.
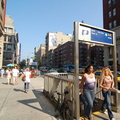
15	104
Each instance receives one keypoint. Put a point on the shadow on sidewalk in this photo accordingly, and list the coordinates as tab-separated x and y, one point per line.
45	105
100	117
7	83
18	90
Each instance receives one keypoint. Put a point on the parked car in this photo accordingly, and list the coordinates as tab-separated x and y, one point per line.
64	70
52	71
98	72
72	70
81	70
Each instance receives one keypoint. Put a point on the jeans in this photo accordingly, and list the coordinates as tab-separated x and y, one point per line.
83	100
89	96
26	85
106	103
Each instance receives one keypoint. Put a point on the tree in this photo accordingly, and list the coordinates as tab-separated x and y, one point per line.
39	63
22	64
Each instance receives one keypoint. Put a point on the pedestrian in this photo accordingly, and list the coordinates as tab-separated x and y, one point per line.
9	75
15	74
27	73
2	72
107	83
88	90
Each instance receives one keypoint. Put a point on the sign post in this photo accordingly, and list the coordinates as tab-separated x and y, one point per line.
91	34
76	73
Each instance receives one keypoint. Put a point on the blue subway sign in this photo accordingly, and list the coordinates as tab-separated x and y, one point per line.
92	34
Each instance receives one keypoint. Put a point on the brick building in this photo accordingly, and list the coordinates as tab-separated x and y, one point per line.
64	54
111	20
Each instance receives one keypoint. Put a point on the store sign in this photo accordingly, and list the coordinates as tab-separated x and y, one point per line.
33	63
33	57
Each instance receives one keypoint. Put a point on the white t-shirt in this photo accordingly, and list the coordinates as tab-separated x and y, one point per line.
27	74
15	72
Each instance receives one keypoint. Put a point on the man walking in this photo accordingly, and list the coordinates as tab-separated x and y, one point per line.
15	74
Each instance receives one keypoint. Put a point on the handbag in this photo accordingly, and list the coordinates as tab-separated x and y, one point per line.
23	77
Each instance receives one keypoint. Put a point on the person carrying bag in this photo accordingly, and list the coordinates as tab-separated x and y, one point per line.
27	74
107	85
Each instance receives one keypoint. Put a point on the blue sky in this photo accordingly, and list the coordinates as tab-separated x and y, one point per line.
34	18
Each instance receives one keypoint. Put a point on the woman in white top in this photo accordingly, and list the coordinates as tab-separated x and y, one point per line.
27	81
9	75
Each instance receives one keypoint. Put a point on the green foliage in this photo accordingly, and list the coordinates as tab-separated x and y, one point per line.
22	64
39	63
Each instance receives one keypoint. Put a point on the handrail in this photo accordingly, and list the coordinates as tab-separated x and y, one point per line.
61	82
59	77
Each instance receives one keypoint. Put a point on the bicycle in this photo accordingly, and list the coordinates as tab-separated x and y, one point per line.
65	108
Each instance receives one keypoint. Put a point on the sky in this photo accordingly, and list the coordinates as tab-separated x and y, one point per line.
33	19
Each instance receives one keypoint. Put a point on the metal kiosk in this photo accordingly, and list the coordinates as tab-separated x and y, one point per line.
91	34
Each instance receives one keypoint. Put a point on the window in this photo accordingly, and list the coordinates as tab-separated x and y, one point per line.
113	2
10	30
114	11
114	23
9	39
5	46
110	25
9	47
110	14
109	3
4	37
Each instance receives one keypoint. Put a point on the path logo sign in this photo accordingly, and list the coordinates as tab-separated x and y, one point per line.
93	34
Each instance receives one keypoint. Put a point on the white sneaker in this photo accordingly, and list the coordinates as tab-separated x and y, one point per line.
118	91
105	112
113	119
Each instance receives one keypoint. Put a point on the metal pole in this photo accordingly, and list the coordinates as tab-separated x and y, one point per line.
115	67
76	73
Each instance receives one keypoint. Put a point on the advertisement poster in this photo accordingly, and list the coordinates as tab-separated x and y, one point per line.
52	39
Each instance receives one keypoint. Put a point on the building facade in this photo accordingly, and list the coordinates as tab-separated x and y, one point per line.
64	55
111	13
12	47
2	24
53	40
111	20
39	53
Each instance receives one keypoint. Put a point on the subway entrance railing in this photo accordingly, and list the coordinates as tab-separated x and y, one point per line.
62	82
